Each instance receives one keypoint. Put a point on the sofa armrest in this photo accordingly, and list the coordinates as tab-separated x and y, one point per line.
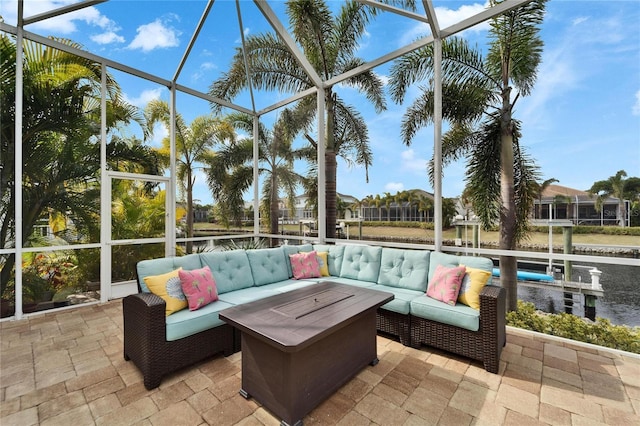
493	325
492	307
145	327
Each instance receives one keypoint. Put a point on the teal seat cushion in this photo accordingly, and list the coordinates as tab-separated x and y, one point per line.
293	250
268	265
249	294
186	323
401	302
404	268
459	315
334	258
350	281
450	260
361	263
230	269
150	267
289	285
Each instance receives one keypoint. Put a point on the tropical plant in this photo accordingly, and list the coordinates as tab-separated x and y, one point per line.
329	43
601	332
478	101
139	212
193	142
614	186
540	188
60	140
244	244
230	171
425	205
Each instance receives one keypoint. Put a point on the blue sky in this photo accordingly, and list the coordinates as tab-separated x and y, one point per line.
581	123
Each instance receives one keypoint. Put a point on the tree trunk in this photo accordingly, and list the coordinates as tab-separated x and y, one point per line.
331	167
508	264
274	211
622	213
189	211
330	191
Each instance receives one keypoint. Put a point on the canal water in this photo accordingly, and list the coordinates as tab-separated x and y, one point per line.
620	303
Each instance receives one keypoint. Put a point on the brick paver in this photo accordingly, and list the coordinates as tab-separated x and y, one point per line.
67	368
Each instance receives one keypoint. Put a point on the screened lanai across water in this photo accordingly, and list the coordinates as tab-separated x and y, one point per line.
200	58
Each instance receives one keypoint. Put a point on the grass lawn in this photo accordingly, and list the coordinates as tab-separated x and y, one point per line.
535	238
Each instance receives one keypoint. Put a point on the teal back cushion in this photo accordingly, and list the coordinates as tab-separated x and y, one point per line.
293	250
230	269
404	268
188	262
150	267
334	259
268	265
361	263
446	259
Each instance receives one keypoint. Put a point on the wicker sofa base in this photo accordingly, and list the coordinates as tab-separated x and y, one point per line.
145	340
483	345
395	324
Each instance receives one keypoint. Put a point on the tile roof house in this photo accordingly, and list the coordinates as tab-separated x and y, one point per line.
561	202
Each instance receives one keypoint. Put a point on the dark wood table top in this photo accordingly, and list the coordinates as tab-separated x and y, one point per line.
298	318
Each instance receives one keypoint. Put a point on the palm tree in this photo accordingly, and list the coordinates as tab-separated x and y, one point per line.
387	199
192	144
330	44
614	186
425	204
367	201
230	171
60	130
540	188
477	100
378	202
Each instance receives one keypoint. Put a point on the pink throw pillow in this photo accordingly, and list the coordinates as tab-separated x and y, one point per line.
305	265
445	284
199	287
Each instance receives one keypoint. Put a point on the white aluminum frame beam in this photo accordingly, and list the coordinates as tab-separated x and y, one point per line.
61	11
194	37
288	40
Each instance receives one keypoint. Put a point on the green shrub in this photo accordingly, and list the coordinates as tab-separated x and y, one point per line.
398	224
601	332
583	229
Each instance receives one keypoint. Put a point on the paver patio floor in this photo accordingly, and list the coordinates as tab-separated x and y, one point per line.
67	368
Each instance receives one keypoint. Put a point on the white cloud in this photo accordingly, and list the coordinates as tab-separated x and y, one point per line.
393	187
635	110
107	38
204	67
144	98
160	132
579	20
246	33
63	24
155	35
412	163
446	17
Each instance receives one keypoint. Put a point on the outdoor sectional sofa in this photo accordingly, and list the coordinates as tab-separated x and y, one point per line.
160	344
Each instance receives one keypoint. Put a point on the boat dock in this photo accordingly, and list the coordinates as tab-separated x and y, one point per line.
570	289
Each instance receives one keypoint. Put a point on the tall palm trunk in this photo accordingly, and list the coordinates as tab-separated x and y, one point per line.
273	207
508	264
189	211
331	167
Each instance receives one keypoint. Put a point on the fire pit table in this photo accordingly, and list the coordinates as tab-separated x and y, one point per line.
299	347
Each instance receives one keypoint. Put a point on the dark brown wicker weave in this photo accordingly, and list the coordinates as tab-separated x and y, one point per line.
395	324
483	345
145	341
